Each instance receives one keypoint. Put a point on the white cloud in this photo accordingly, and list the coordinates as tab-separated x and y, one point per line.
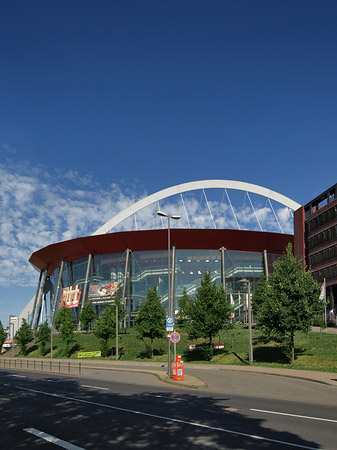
40	206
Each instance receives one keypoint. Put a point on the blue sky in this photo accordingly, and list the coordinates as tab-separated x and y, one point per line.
105	102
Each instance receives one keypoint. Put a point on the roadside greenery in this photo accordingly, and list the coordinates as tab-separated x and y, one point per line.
65	324
286	306
23	337
105	327
206	314
313	351
43	338
150	318
2	334
287	302
87	316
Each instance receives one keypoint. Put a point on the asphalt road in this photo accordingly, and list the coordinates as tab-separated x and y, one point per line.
121	410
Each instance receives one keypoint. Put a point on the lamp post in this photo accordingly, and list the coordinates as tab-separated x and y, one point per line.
250	353
169	294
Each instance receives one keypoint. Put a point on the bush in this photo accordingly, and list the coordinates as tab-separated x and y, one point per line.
202	352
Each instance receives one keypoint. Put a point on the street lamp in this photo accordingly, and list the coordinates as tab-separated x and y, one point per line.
169	296
250	353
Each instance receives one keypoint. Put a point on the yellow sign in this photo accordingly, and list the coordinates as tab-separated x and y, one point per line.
88	354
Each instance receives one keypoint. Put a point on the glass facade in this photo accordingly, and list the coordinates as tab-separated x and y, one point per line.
129	275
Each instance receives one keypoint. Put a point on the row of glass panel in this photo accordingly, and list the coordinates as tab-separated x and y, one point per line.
150	268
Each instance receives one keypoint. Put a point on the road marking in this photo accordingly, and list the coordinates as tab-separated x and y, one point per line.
167	419
169	398
18	376
294	415
94	387
52	439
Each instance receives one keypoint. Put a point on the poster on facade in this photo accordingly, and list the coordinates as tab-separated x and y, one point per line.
70	297
103	290
8	343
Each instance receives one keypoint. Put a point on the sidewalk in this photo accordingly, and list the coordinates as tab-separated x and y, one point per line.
190	381
159	369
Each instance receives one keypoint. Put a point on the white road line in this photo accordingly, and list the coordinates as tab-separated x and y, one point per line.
168	419
94	387
294	415
18	376
169	398
52	439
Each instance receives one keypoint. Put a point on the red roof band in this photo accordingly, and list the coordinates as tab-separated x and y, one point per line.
183	239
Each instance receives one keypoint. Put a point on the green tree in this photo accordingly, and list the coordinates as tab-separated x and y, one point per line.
208	312
3	335
260	294
65	324
150	318
43	337
24	336
287	302
87	316
183	306
105	326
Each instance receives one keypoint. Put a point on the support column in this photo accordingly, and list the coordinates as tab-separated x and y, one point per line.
35	299
265	260
127	257
56	295
85	288
39	300
223	268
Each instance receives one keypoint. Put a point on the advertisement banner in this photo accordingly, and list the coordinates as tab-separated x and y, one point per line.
102	290
89	354
70	297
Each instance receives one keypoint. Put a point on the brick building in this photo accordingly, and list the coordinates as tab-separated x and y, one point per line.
315	240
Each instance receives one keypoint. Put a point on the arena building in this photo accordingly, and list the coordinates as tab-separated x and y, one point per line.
116	262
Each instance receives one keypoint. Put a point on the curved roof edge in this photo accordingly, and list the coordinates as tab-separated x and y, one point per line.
191	186
152	240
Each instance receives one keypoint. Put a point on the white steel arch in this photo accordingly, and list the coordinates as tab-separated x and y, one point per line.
191	186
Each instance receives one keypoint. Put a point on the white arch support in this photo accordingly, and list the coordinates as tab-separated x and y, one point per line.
192	186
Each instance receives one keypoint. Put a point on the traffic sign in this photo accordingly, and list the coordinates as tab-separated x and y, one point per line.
175	337
169	321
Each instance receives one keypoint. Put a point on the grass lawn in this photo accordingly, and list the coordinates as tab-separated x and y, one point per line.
314	351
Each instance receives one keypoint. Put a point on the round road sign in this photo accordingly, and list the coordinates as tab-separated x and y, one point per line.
175	337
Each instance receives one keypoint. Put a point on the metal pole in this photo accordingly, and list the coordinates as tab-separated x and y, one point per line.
250	327
169	281
116	331
325	315
173	269
169	371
